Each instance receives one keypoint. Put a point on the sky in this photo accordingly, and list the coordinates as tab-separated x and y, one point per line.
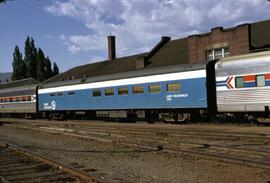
74	32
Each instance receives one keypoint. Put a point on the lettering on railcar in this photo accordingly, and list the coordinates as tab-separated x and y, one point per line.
179	95
52	106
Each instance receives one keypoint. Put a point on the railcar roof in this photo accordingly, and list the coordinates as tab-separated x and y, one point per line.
243	57
135	73
19	83
244	64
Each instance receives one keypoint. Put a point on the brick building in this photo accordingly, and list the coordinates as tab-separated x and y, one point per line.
221	42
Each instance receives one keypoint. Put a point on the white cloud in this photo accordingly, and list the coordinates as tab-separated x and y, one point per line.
139	24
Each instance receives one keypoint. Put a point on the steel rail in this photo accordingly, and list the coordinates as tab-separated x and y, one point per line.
65	168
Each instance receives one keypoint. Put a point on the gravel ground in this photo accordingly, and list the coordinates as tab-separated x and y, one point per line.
117	163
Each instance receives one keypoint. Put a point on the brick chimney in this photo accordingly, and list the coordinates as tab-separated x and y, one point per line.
111	48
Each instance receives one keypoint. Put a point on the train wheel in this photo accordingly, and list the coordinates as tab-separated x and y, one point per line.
182	117
263	120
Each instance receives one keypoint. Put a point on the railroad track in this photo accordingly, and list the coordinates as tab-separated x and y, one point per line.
148	131
239	155
231	154
18	164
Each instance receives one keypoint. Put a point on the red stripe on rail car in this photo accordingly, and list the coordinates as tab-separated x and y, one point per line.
249	78
267	76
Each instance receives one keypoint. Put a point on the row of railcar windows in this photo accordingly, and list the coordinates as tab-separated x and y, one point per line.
260	81
16	99
154	88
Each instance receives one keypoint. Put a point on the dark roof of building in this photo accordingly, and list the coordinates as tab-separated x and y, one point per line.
18	83
174	52
260	34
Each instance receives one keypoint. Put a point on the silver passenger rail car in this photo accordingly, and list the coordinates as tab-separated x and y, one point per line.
243	84
18	98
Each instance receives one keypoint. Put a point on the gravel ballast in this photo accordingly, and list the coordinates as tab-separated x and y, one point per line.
118	163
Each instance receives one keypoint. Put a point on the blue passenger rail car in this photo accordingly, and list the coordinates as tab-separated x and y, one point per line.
183	87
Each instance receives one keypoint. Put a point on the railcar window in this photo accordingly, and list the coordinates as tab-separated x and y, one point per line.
52	94
239	81
137	90
156	88
109	92
123	91
260	80
173	87
96	93
71	93
59	94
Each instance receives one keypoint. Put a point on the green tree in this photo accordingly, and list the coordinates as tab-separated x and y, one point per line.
23	70
48	68
35	64
55	69
30	54
18	65
41	66
4	1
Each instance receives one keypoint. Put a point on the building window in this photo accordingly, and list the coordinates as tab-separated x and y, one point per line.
239	82
260	80
96	93
173	87
137	90
109	92
71	78
123	91
217	53
154	88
